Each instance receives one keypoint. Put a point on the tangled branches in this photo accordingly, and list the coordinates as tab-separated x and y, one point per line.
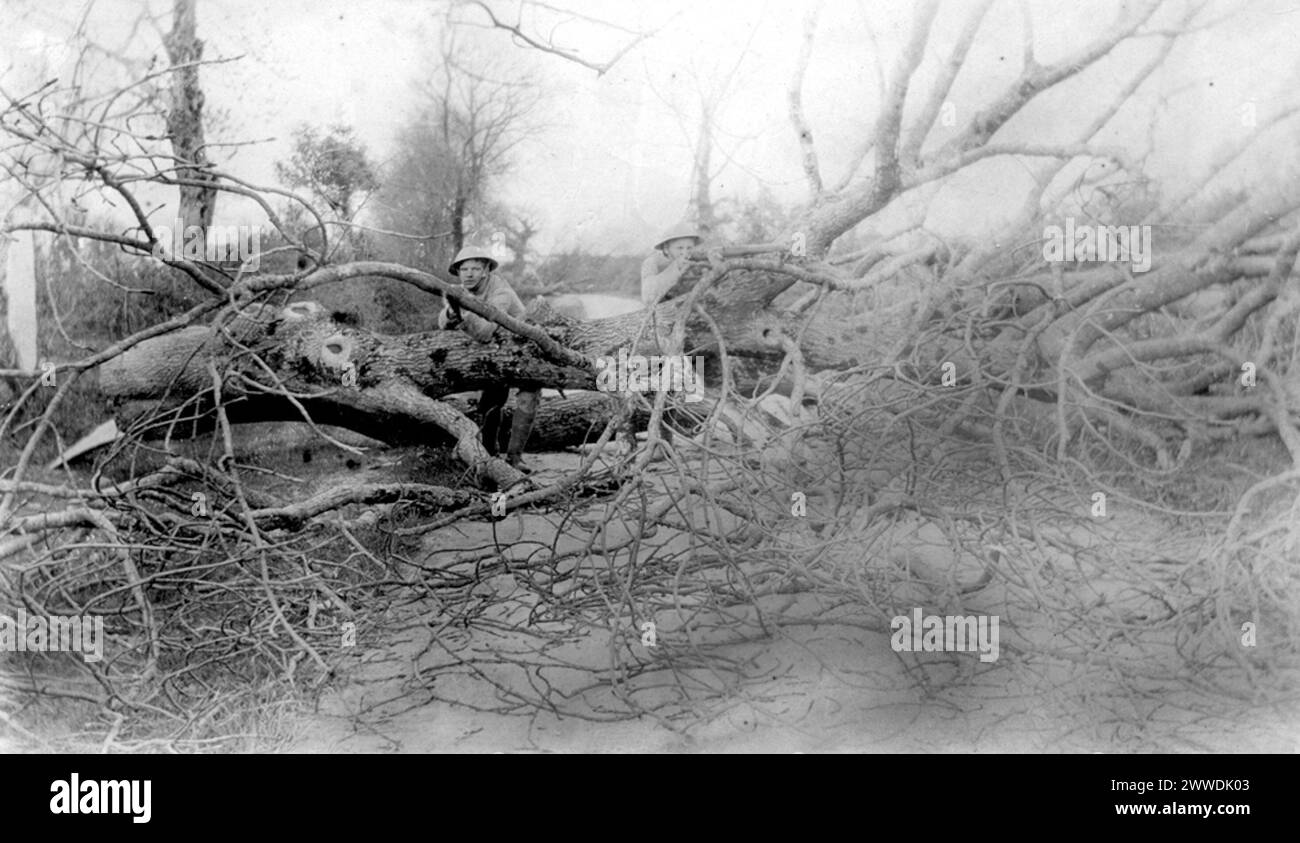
704	572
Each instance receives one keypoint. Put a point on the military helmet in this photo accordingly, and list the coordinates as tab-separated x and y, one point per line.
680	231
470	253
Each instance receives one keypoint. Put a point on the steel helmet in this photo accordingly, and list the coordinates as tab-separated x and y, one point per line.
470	253
679	232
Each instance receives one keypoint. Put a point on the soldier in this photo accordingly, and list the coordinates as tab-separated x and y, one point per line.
661	273
662	279
473	268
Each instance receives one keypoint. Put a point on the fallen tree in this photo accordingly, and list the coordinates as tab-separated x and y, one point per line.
302	362
1046	363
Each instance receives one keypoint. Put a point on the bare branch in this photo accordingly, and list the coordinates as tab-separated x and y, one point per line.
942	86
889	125
1027	38
834	218
1224	160
516	31
1037	79
1065	150
295	515
795	94
868	142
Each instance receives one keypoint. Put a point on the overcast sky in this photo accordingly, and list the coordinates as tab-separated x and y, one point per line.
611	165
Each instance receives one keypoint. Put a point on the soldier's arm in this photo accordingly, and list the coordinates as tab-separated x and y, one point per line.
655	284
503	298
477	327
449	317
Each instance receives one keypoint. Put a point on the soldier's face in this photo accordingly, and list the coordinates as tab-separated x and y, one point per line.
678	248
472	271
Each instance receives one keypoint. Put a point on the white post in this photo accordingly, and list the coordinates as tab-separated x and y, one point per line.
20	291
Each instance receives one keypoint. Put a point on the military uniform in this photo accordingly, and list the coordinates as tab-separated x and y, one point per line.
491	404
655	271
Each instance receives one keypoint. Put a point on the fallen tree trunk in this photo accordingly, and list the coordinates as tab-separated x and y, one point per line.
572	420
304	340
298	361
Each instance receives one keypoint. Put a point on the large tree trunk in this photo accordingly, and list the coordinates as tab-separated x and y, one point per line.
574	419
385	387
306	347
198	201
389	387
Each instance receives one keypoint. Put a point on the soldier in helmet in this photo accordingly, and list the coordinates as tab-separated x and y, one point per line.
473	268
661	273
662	278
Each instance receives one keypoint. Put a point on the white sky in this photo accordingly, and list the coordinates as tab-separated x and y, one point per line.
611	167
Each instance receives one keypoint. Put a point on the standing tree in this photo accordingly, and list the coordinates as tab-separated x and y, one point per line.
478	121
333	167
336	171
699	110
185	118
518	236
438	187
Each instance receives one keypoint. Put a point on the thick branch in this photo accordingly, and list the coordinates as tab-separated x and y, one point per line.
911	150
795	95
1036	79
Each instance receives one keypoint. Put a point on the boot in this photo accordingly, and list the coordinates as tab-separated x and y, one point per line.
490	405
526	401
491	433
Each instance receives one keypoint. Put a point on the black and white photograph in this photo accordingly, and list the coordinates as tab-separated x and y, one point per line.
847	377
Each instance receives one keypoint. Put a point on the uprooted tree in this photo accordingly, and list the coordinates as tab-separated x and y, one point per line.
1041	368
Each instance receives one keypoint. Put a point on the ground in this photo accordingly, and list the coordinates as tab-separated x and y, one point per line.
819	682
814	686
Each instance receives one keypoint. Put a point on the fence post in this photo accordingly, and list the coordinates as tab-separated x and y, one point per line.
18	298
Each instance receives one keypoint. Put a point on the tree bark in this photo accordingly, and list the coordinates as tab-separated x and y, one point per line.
280	364
304	344
562	422
198	202
299	361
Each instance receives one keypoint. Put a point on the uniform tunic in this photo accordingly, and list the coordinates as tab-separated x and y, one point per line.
494	291
654	272
498	293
